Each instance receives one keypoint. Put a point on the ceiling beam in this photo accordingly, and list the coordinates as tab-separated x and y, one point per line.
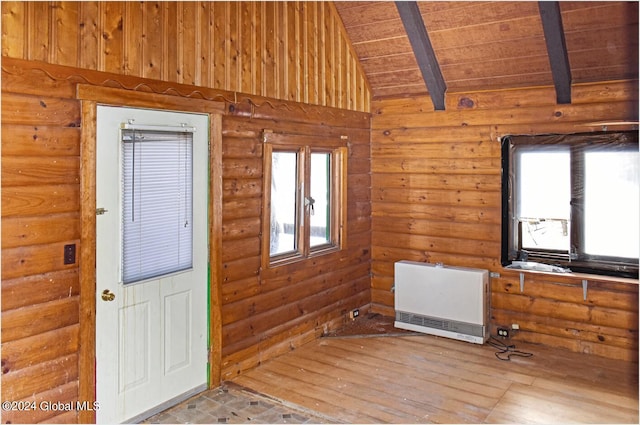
423	51
557	49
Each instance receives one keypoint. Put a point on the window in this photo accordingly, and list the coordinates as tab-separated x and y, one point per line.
572	201
304	197
157	203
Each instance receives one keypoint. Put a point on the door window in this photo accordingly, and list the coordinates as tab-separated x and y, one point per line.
157	201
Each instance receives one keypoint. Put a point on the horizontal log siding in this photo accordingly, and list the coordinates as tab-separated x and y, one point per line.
263	314
552	310
268	312
436	197
293	50
40	214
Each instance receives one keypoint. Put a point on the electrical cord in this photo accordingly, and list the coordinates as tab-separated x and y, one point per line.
509	350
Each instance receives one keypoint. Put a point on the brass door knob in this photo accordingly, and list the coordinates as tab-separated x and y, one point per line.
108	295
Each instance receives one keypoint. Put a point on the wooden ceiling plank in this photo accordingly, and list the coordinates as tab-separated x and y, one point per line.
557	49
520	29
614	39
605	72
609	15
457	75
516	51
378	48
392	92
473	13
368	32
426	57
366	13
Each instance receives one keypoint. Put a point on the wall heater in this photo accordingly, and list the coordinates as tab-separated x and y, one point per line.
442	300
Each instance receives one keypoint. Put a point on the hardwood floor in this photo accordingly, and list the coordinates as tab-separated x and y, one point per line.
427	379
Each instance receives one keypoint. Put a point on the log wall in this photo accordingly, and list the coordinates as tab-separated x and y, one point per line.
260	313
40	215
294	50
436	197
266	312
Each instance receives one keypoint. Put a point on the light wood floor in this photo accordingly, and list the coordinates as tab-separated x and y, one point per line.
427	379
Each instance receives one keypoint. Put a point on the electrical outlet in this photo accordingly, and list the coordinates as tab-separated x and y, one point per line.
69	254
503	332
354	313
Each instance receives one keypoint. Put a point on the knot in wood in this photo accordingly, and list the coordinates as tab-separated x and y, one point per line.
466	103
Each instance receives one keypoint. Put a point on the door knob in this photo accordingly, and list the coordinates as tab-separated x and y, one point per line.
108	295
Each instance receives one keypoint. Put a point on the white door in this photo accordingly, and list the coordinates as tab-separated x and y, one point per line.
151	265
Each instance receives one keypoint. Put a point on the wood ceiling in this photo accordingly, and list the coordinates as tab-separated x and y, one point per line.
493	45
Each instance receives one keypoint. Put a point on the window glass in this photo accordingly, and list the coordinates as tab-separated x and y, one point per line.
544	198
284	176
157	203
320	194
612	203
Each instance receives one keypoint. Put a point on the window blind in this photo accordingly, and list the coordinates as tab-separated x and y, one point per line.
157	233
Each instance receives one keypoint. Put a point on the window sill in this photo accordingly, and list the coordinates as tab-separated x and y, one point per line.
294	259
571	276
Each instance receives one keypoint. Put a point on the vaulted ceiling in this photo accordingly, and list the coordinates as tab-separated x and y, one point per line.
480	45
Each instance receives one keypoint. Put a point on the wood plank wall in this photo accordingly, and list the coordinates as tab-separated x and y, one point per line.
263	313
293	50
436	197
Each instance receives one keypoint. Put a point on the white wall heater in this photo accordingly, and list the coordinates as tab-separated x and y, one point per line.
442	300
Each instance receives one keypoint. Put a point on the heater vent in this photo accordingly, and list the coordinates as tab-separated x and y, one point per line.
440	324
442	300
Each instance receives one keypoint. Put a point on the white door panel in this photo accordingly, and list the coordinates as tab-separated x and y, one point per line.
177	331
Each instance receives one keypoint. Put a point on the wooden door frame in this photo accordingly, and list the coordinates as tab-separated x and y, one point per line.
90	96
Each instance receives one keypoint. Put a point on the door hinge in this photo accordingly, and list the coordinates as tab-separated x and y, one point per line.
100	211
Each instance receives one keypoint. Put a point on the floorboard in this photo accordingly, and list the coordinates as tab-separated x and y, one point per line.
428	379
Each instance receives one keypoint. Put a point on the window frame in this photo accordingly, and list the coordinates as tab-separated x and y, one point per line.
304	146
577	259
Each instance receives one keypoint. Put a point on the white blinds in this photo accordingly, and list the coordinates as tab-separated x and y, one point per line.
157	203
